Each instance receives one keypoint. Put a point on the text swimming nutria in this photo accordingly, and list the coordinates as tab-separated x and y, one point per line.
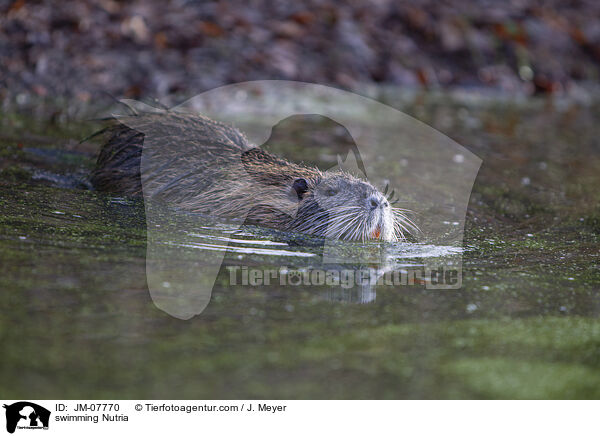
201	165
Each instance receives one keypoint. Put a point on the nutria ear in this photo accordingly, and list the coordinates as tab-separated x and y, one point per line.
301	187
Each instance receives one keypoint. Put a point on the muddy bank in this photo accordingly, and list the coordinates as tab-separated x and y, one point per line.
79	49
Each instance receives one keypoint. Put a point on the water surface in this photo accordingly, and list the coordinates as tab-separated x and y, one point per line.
77	320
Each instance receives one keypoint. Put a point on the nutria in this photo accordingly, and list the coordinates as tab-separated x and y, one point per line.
201	165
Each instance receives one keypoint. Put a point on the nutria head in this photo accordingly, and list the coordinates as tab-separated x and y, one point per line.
338	205
332	204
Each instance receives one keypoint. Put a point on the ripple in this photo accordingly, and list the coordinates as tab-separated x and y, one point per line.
244	250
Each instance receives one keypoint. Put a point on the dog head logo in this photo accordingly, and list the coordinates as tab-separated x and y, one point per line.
26	415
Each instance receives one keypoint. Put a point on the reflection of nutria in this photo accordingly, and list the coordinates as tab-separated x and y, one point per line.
204	166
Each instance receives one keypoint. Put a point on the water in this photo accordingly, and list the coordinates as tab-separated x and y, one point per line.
77	319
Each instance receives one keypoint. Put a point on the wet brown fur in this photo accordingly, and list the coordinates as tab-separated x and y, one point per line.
202	165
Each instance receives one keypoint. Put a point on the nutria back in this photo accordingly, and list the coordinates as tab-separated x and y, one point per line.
206	142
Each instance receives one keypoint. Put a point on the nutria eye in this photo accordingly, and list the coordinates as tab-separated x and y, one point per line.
331	192
301	187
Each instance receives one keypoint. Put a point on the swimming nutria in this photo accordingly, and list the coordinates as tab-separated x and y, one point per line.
202	165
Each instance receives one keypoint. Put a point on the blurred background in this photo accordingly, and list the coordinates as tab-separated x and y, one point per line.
138	48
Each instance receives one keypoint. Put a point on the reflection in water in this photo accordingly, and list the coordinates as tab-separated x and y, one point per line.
245	250
238	241
375	264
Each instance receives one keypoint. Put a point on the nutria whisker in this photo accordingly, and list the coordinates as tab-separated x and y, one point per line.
340	227
403	222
